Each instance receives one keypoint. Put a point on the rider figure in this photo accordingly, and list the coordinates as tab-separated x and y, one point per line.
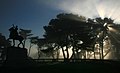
11	30
14	35
16	31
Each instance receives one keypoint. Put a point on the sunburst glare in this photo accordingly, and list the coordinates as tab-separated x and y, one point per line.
91	9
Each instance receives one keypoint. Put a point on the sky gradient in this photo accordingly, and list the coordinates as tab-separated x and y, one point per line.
34	14
27	14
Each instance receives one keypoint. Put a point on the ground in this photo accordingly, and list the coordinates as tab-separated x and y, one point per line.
85	66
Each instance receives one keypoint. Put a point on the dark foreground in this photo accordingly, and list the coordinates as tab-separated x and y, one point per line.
87	66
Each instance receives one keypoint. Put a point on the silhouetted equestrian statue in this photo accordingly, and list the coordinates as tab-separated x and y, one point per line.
14	35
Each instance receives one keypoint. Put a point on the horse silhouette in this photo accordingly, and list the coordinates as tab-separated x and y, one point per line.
15	36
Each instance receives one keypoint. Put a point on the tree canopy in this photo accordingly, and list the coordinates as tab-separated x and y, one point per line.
68	29
78	32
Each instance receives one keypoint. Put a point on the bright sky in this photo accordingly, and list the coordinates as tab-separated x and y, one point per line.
34	14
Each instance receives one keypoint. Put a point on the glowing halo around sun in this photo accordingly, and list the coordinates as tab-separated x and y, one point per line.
88	8
91	8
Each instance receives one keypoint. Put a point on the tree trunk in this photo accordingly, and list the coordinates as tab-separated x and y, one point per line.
73	54
58	52
29	50
67	52
94	55
38	53
63	53
78	57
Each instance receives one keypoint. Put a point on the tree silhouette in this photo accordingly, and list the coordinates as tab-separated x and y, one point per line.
103	29
4	43
46	47
67	30
115	41
82	35
25	34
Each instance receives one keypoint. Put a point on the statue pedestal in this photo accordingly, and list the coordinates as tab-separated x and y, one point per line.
16	56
